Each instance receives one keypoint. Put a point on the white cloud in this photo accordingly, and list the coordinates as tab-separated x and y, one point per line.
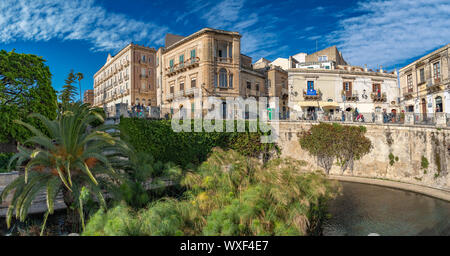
43	20
391	31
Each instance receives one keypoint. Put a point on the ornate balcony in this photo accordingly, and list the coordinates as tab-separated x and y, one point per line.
192	91
223	59
312	94
350	95
378	97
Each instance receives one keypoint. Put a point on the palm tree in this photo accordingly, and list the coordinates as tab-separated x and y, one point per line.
66	158
80	77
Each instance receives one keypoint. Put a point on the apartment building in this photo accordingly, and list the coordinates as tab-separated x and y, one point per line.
129	77
206	63
88	97
425	84
326	83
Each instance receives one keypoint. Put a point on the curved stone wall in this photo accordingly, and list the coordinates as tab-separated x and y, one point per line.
411	145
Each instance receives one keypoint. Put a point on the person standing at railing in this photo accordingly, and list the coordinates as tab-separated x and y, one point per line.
385	116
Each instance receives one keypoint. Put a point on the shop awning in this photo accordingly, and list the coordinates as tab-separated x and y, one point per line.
308	104
326	104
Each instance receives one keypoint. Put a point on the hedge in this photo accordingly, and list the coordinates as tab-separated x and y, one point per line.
183	148
4	160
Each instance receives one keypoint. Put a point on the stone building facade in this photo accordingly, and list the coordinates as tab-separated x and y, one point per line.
129	77
425	84
88	97
206	63
343	88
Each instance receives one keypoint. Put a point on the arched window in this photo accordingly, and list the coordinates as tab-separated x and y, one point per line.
223	78
143	102
438	104
137	101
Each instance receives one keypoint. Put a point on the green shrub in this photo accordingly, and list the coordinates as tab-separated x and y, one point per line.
187	148
4	161
231	194
424	163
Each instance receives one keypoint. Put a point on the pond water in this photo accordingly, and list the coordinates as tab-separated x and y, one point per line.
368	209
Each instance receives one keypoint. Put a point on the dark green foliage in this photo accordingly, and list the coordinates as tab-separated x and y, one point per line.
70	91
70	159
142	174
4	160
187	148
25	88
230	194
328	142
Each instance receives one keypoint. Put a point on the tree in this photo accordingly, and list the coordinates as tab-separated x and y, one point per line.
69	92
70	159
329	142
25	88
80	77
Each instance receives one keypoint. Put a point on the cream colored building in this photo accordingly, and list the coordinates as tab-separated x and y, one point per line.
324	83
425	84
206	63
129	77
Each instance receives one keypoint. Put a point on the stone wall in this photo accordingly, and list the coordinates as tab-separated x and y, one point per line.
408	143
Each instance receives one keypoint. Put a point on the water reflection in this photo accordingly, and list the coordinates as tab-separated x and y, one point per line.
365	209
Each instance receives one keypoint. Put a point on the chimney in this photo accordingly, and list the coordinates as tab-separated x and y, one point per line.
365	67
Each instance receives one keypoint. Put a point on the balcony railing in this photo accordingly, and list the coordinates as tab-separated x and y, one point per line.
312	94
350	95
180	67
179	94
224	59
378	97
192	91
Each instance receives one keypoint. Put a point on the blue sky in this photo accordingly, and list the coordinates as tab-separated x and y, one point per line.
78	34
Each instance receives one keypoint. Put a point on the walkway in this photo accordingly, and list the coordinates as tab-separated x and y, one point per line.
433	192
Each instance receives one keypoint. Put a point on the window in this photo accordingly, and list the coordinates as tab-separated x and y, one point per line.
137	101
171	89
181	60
409	82
220	53
438	104
422	75
143	85
230	83
437	70
181	86
257	87
193	82
376	88
143	72
230	50
143	58
323	58
310	85
223	78
171	64
192	55
347	86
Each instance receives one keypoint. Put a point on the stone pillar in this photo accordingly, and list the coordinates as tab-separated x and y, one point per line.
409	118
441	119
348	117
320	116
379	118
